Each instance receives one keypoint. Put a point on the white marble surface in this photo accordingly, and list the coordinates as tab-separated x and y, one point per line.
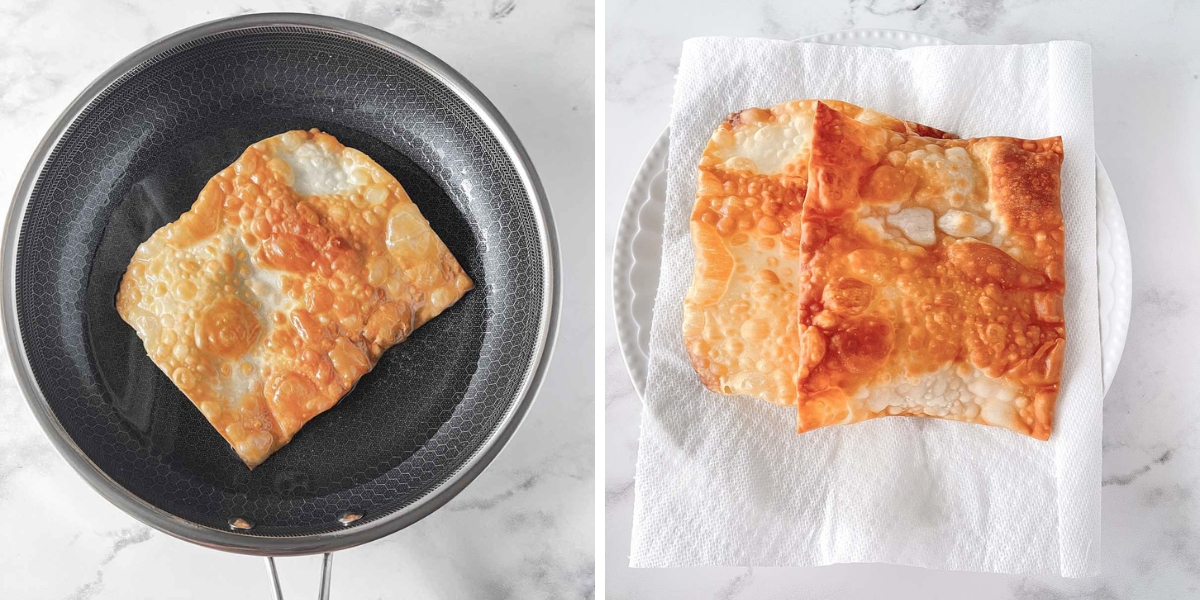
1146	65
525	527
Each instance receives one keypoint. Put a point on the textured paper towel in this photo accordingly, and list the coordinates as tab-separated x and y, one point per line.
727	481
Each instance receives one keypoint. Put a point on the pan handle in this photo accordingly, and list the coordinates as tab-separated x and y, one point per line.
326	575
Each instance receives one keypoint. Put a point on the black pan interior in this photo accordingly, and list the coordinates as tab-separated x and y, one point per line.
137	157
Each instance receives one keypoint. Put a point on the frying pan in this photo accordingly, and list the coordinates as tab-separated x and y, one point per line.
132	153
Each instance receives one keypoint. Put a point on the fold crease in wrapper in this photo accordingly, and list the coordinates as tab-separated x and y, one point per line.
727	481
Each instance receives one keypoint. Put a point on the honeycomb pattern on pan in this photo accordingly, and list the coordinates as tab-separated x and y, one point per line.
137	157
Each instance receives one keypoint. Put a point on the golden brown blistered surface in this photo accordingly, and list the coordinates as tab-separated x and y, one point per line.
739	315
931	278
296	268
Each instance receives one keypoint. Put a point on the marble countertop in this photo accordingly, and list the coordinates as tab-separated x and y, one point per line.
525	527
1146	64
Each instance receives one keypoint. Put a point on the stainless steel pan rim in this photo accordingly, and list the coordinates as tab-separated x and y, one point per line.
308	544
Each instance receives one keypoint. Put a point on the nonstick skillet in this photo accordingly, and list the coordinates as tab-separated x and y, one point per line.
132	153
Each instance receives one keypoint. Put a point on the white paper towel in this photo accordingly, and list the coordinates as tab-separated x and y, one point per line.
727	481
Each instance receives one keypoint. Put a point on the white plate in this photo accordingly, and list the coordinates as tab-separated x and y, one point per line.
637	255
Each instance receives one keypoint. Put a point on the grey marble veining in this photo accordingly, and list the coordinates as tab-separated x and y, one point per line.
525	527
1146	62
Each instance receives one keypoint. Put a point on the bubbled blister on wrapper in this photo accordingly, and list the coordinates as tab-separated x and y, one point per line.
727	481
